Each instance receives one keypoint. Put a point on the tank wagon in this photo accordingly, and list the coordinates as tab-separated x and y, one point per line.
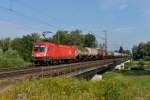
48	52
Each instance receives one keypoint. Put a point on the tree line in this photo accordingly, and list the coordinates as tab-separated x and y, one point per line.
141	51
23	45
122	50
75	37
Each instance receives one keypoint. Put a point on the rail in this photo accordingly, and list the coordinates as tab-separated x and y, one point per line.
55	70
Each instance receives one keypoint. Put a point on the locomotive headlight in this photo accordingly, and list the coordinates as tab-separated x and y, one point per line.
44	54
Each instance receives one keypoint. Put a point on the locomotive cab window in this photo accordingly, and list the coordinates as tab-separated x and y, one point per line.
39	48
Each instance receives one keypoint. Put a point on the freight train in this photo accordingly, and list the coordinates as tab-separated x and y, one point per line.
49	53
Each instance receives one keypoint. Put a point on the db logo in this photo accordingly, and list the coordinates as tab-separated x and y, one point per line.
70	52
37	55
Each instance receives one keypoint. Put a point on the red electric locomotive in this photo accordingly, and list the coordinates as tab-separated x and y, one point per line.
47	52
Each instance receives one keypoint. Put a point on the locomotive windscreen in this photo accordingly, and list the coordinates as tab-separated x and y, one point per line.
39	48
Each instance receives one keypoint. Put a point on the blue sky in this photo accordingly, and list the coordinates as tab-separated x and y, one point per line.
126	21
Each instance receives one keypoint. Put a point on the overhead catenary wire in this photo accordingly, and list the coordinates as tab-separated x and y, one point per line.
41	12
23	26
35	9
31	18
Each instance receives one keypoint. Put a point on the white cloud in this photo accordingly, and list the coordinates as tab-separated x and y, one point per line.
125	29
124	6
147	12
112	4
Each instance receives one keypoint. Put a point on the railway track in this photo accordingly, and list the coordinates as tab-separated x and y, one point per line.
55	70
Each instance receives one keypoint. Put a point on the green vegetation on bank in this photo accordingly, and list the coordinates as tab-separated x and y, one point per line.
124	85
11	59
138	65
141	51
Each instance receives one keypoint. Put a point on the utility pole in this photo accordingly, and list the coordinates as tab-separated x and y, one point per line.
105	39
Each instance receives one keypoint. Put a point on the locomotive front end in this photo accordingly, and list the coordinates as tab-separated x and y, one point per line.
39	51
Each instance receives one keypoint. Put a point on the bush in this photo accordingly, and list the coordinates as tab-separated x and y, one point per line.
147	58
137	68
128	65
141	63
135	65
1	52
11	59
111	90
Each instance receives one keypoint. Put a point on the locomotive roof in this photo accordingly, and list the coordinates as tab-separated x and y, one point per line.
44	43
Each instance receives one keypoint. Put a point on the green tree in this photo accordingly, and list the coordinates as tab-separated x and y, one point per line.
141	51
121	50
36	37
128	52
59	37
147	48
24	45
77	38
70	38
89	40
135	52
5	44
101	46
74	37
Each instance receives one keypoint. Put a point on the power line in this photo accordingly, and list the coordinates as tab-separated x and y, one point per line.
103	38
36	10
32	18
24	27
20	25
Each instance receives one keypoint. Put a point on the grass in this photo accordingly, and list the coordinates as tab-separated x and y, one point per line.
59	88
116	85
134	85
